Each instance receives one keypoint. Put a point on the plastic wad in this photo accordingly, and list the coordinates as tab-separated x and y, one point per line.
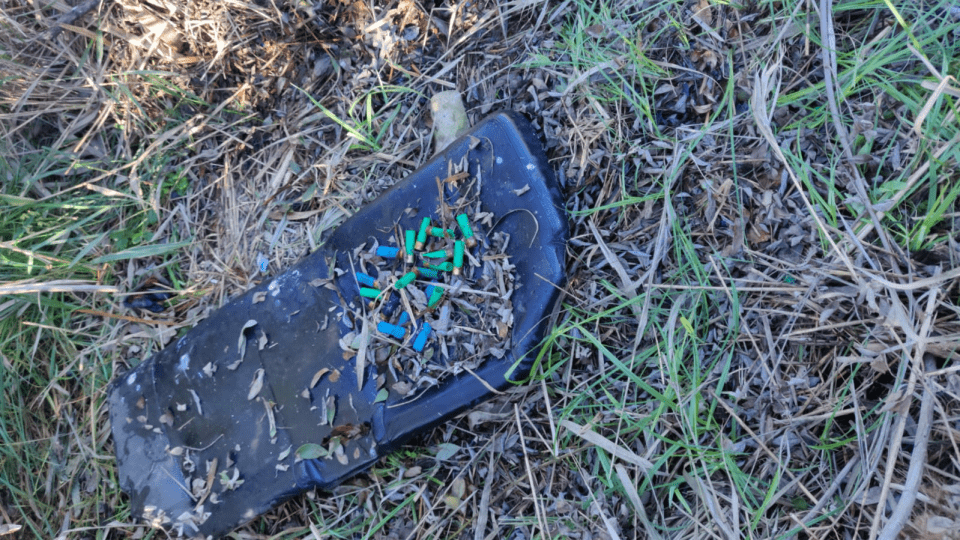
199	455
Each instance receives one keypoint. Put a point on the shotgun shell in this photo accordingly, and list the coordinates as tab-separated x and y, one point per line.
457	257
446	266
405	280
367	281
408	245
388	252
464	223
422	235
421	341
391	329
403	319
427	272
367	292
439	254
374	295
434	294
440	232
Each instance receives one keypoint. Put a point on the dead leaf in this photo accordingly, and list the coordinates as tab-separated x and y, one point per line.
311	451
704	11
596	30
323	283
402	388
447	451
242	340
9	528
362	352
256	385
346	431
941	525
331	406
259	297
521	191
318	375
616	450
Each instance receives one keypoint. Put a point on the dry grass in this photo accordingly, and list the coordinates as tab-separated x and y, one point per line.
757	338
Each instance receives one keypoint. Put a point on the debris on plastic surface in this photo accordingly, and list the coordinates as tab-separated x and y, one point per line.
434	319
424	303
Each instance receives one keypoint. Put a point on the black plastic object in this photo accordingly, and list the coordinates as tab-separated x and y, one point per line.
206	431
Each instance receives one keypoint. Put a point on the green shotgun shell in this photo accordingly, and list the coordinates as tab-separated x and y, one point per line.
446	266
409	241
434	293
440	232
422	235
373	295
457	257
464	223
368	292
439	254
405	280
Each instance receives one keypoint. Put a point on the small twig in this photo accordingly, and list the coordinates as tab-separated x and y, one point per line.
827	495
630	487
60	285
124	317
484	510
921	365
71	17
537	507
768	80
536	223
829	76
483	382
918	459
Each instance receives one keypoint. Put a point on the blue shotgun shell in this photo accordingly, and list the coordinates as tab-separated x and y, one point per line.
427	272
421	341
366	280
391	329
388	252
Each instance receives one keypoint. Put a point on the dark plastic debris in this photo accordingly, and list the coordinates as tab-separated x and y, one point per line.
206	430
